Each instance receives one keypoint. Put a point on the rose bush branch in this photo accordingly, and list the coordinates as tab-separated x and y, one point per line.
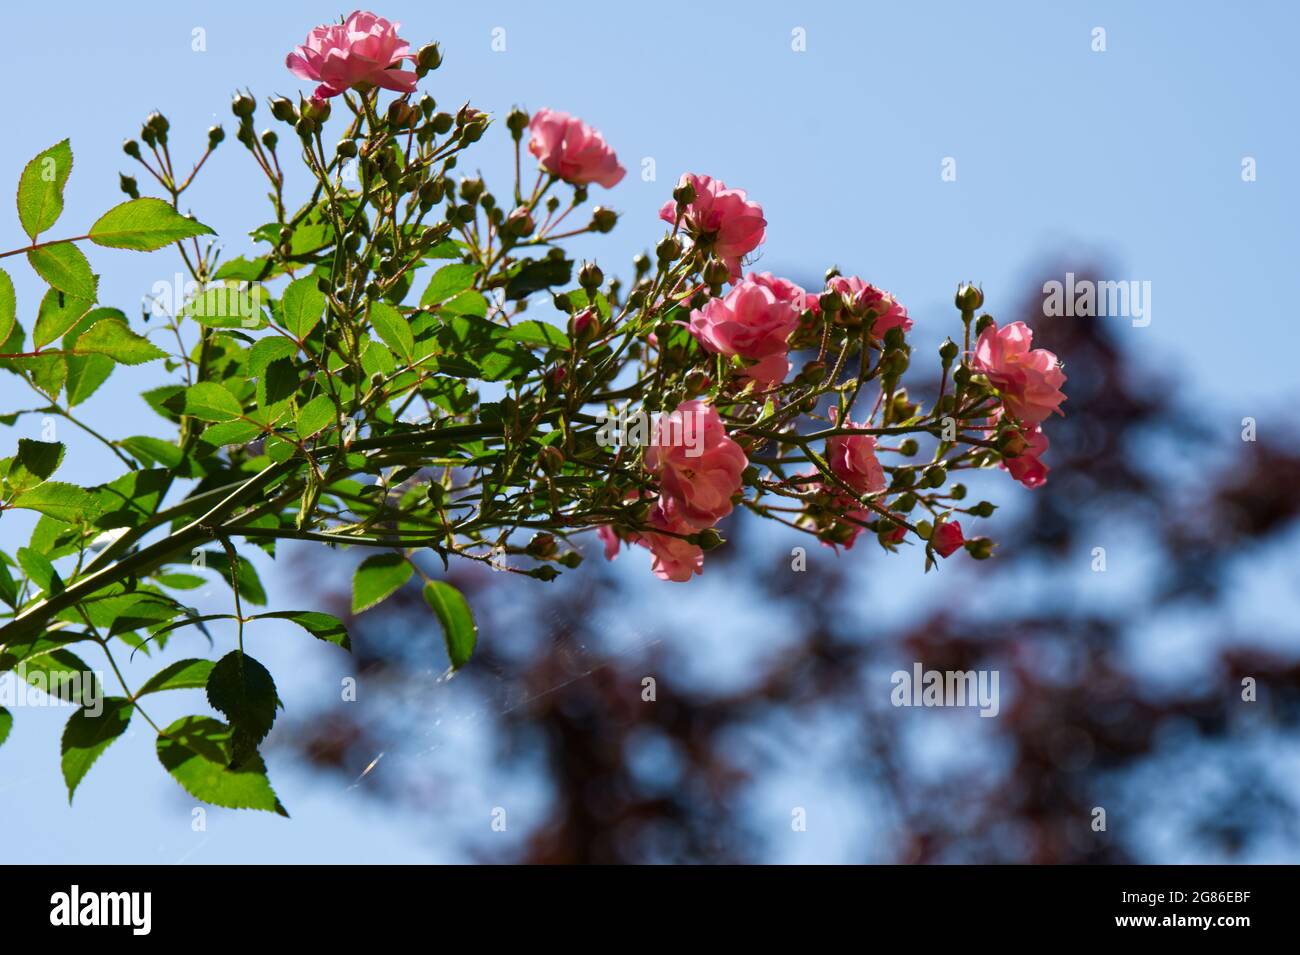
411	362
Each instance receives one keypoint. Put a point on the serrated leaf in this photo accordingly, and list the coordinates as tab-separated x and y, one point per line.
377	578
197	750
65	267
447	282
227	305
113	339
458	627
62	675
85	737
181	675
144	225
85	374
533	275
39	570
322	626
315	415
35	463
538	334
57	314
301	307
393	329
40	188
211	402
8	308
243	691
64	502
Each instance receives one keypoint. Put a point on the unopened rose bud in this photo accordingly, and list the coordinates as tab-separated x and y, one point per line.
908	448
517	122
1011	443
585	326
158	123
520	223
318	109
716	271
129	186
934	476
812	373
696	382
131	148
442	123
603	220
436	493
590	276
305	127
983	509
428	58
833	272
542	546
830	302
641	263
983	322
569	559
215	135
684	194
243	105
708	539
948	352
957	492
981	548
668	250
282	108
968	297
269	139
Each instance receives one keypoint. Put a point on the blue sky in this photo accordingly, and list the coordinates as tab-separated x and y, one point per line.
1132	155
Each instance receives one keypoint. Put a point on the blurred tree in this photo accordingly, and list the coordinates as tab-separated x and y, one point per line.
1181	768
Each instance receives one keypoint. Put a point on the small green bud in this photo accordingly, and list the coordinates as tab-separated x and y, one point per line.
427	59
131	148
668	249
968	297
983	509
129	186
517	122
283	109
908	448
590	277
603	220
269	139
215	135
243	105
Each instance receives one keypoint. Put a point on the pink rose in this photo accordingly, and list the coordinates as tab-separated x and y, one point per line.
947	538
853	459
570	149
871	303
752	322
852	515
785	291
363	51
610	540
698	466
671	557
721	219
1029	379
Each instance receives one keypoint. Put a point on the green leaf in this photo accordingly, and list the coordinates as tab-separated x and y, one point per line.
149	451
57	314
197	751
39	570
6	723
131	499
64	502
458	627
86	736
181	675
447	282
538	335
250	585
115	340
322	626
466	303
40	189
85	374
533	275
242	690
62	675
211	402
393	328
315	415
34	463
8	308
144	225
227	305
487	345
65	268
377	578
301	307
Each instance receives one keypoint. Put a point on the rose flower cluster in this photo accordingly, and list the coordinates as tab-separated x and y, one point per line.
733	384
